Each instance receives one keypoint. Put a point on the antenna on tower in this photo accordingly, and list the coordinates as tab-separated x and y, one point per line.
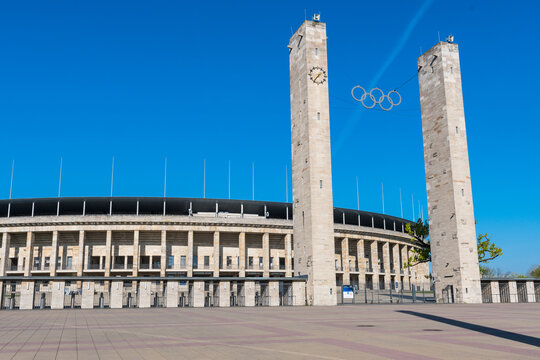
253	180
229	179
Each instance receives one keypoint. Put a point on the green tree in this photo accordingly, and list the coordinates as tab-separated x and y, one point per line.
534	272
419	233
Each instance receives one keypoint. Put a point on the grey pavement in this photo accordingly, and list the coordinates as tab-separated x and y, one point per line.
421	331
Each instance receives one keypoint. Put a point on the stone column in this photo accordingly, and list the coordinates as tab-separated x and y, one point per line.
87	301
29	254
405	259
266	254
273	293
117	291
163	253
345	261
198	293
136	251
375	264
54	253
361	263
397	265
386	262
495	292
108	243
80	262
288	256
530	292
57	295
249	293
172	294
242	253
216	254
190	254
27	295
512	285
4	256
224	294
299	293
145	293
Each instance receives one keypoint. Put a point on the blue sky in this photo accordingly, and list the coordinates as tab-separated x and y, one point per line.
189	81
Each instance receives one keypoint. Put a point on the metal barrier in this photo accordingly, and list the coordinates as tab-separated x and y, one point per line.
12	295
504	290
522	292
364	295
42	295
487	297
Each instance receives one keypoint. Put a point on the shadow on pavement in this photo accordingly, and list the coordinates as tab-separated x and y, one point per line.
530	340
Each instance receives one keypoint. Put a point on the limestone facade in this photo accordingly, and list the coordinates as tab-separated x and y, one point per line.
448	180
311	162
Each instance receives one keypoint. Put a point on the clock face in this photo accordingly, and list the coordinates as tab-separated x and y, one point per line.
318	75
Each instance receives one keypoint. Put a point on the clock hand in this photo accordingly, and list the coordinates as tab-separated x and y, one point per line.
319	74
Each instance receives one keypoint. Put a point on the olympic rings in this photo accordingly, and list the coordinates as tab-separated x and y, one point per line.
377	99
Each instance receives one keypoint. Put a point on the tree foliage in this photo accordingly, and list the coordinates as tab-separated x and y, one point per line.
419	233
534	272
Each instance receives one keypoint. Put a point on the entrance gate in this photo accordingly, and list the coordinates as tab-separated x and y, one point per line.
42	295
101	295
522	291
486	293
157	291
72	295
448	294
129	295
504	289
12	295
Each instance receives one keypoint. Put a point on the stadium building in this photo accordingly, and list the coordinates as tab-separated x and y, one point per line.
143	252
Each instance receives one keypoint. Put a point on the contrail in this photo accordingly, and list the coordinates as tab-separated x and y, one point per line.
356	116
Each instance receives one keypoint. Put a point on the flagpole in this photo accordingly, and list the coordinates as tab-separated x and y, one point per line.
60	178
357	196
11	183
382	190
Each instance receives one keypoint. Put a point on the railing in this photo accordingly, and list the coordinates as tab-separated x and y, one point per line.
230	267
255	267
94	267
339	268
176	267
66	267
201	267
16	268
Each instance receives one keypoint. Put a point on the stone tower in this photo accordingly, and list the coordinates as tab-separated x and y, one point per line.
311	163
448	181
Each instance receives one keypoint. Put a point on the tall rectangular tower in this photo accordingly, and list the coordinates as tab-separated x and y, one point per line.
448	180
311	163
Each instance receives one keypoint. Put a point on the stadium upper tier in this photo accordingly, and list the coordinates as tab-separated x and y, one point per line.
112	206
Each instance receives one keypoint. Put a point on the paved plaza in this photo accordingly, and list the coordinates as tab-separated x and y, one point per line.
494	331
